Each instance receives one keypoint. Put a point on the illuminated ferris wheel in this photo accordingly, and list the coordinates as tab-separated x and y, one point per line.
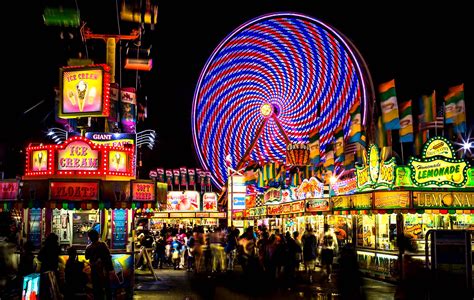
271	82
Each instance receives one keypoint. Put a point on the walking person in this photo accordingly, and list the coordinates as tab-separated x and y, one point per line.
102	269
329	249
309	252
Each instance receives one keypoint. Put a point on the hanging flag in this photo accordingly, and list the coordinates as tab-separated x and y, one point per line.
349	160
269	172
261	178
296	178
460	115
406	122
421	137
356	124
339	144
251	174
329	157
388	103
429	107
381	136
314	154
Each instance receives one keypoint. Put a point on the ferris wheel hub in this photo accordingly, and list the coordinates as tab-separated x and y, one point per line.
266	110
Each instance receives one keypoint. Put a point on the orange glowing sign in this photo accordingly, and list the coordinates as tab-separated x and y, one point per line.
78	156
118	161
84	91
143	191
39	160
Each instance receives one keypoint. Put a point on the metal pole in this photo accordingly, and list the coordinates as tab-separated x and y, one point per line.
231	198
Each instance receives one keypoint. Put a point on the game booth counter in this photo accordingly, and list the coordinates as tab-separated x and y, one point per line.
186	209
71	188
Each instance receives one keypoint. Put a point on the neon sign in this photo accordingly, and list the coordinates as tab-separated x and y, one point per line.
438	166
78	156
143	191
76	191
85	91
375	174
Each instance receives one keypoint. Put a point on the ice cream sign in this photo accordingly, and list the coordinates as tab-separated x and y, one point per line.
84	91
375	173
438	166
78	156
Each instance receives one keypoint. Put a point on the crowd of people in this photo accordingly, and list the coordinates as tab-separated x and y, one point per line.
275	254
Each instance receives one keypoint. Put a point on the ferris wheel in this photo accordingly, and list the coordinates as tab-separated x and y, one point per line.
271	82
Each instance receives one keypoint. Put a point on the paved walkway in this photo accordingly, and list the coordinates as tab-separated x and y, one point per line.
179	284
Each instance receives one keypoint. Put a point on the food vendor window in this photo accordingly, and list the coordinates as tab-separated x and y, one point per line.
82	222
342	228
366	231
387	231
464	222
416	225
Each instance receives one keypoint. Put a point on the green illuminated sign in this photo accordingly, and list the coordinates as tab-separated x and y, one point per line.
438	166
375	173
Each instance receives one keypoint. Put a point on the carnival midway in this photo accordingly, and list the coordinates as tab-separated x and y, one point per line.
303	159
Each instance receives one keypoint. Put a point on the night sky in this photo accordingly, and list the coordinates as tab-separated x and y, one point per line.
423	49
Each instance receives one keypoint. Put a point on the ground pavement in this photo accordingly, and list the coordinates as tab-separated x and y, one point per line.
179	284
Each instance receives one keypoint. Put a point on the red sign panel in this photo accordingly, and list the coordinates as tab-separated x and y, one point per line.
8	190
143	191
74	191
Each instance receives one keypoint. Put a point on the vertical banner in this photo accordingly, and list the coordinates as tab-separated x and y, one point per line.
176	178
160	175
169	178
208	180
129	106
119	229
183	177
192	180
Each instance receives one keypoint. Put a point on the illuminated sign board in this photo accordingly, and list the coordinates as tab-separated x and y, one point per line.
311	188
438	166
111	139
258	211
78	156
272	195
39	160
391	200
182	215
443	200
237	191
143	191
209	202
375	173
219	215
74	190
361	201
118	161
356	201
341	202
345	187
286	208
84	91
187	201
315	205
9	190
